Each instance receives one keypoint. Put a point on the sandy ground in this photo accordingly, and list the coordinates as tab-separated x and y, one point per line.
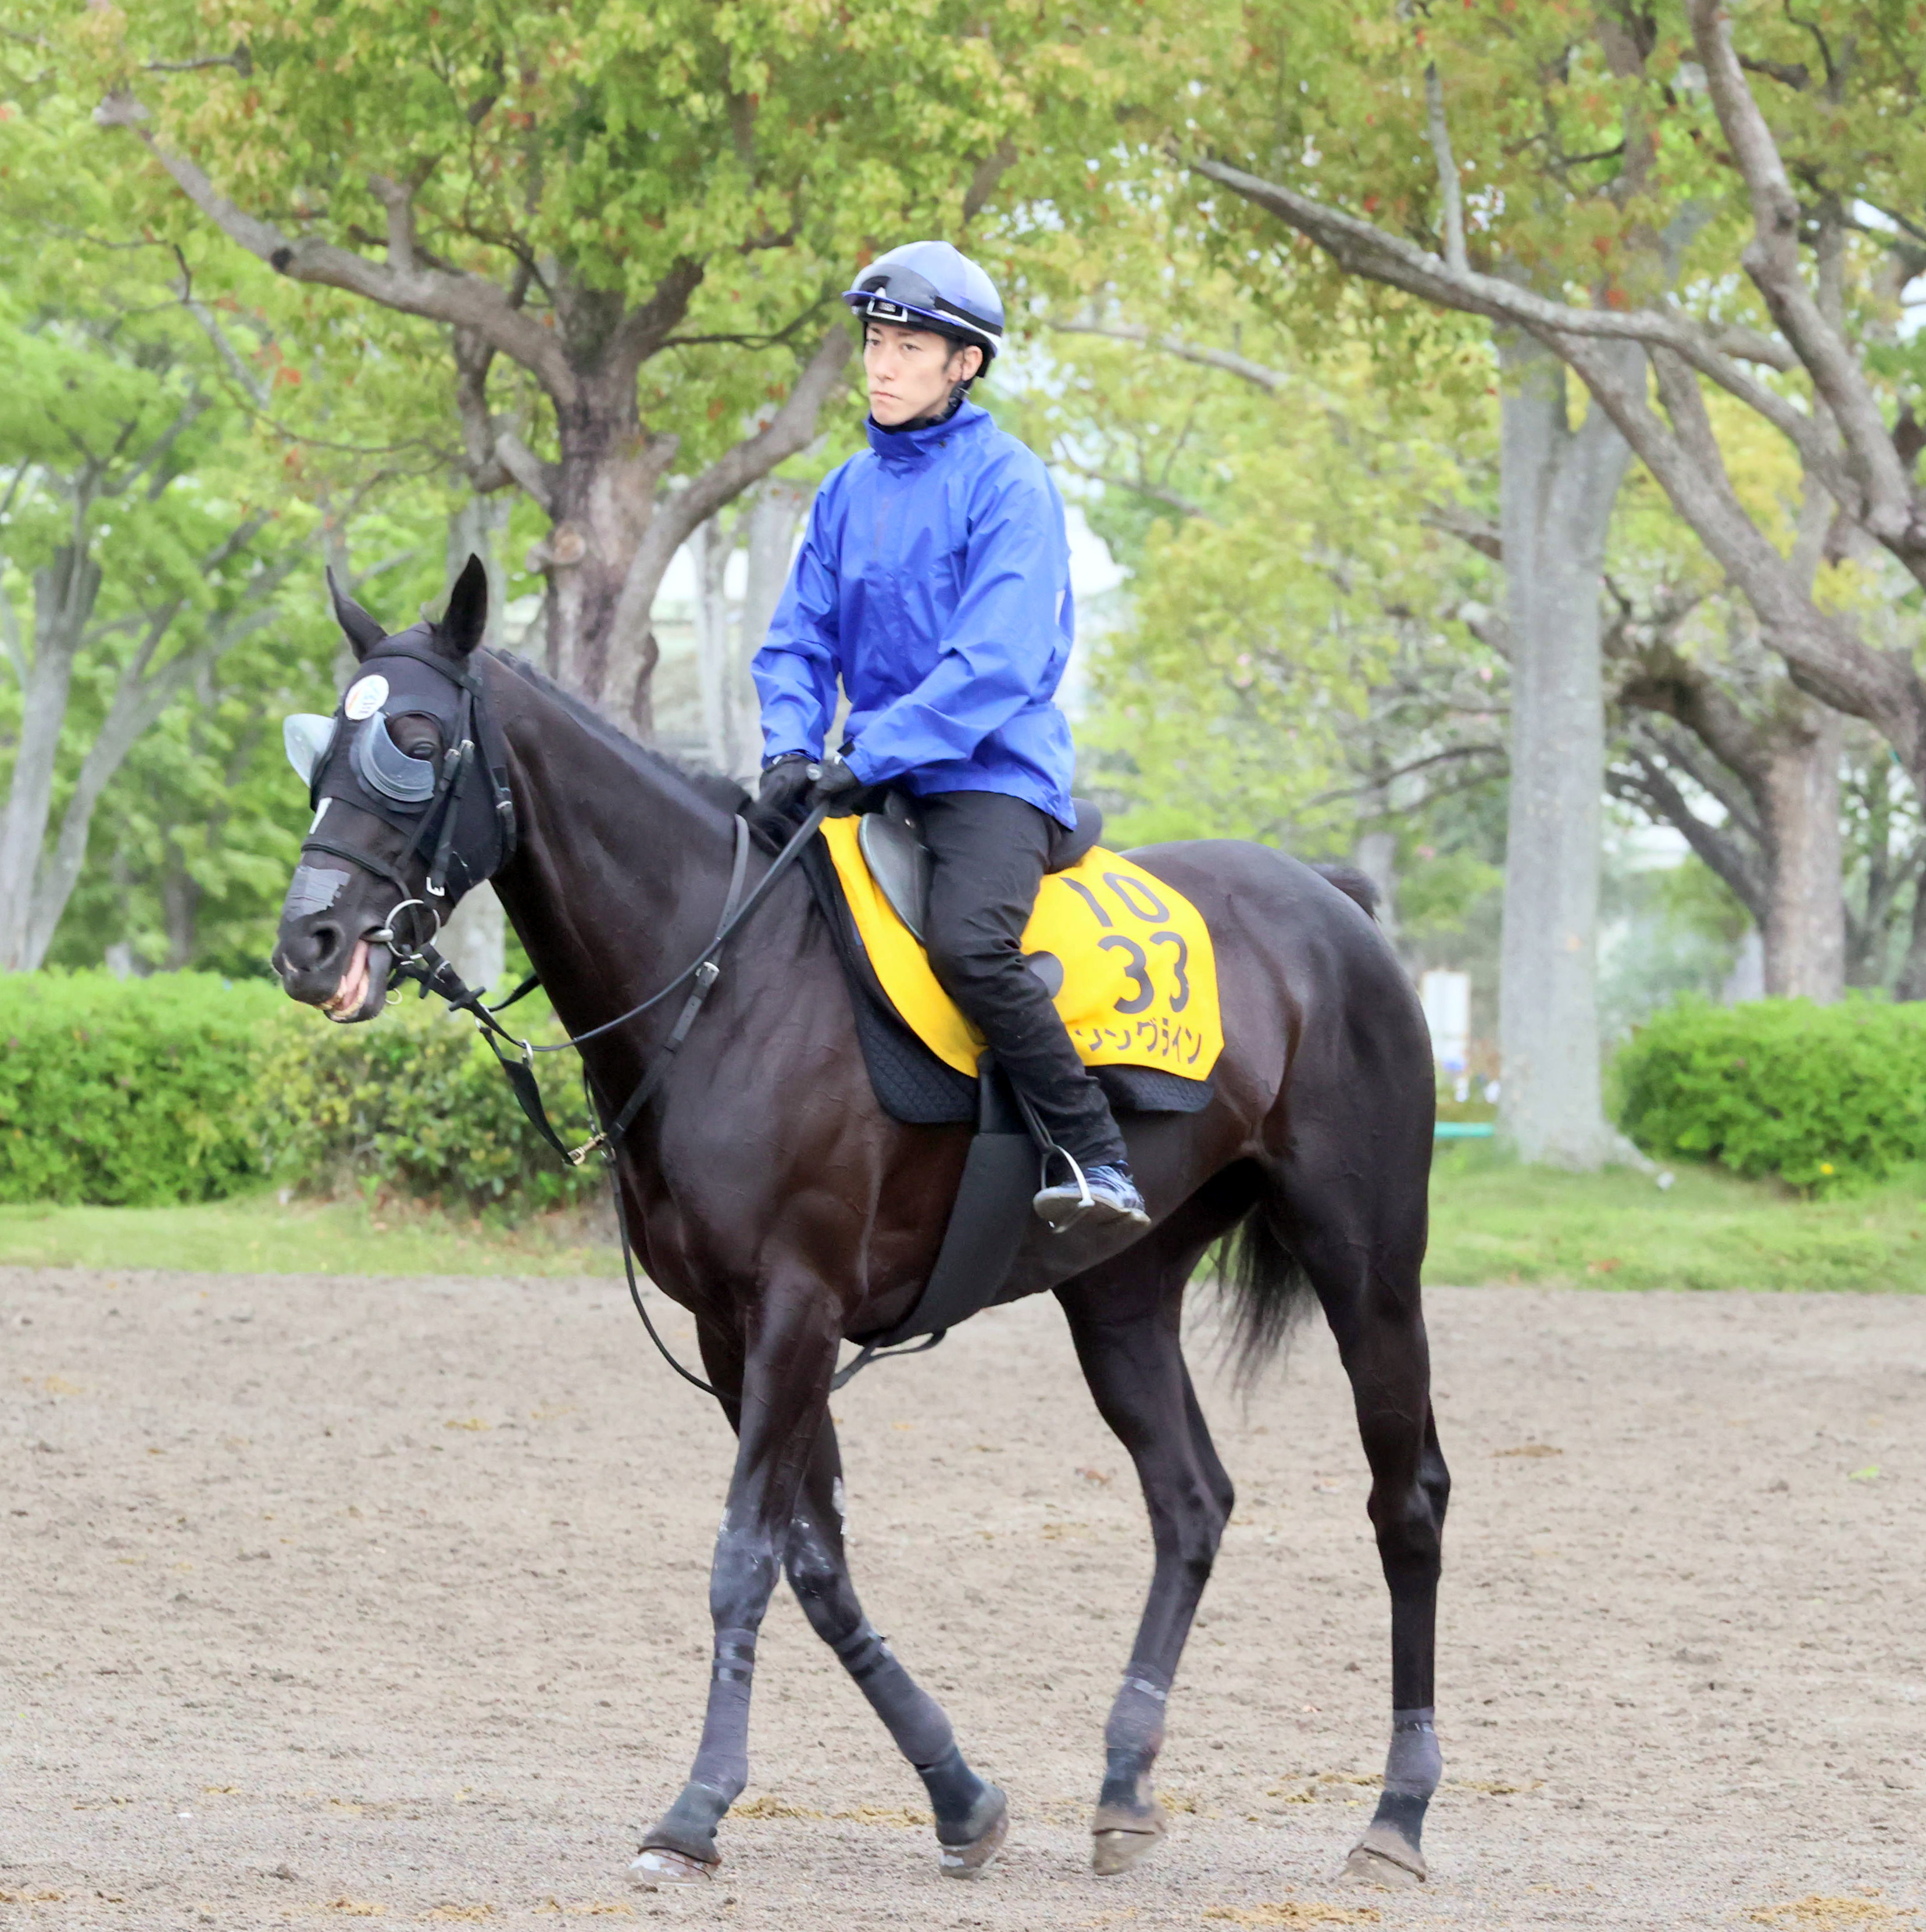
327	1598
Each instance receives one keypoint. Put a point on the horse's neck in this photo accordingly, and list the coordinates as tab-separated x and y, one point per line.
621	865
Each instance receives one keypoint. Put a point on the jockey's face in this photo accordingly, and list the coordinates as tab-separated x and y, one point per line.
911	371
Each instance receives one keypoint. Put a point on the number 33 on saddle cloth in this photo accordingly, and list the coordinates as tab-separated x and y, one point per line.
1128	962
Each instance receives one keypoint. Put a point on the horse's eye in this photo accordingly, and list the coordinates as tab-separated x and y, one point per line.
422	747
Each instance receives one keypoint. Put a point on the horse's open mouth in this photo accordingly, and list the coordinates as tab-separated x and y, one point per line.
364	986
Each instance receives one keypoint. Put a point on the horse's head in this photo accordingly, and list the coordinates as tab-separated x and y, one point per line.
411	806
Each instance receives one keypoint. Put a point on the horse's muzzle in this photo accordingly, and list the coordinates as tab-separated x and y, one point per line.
320	966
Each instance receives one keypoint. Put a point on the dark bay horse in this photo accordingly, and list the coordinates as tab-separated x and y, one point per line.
768	1194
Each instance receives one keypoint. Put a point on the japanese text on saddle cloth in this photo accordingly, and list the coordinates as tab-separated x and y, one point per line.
1140	974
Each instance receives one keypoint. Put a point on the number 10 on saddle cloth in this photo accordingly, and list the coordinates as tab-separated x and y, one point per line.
1140	974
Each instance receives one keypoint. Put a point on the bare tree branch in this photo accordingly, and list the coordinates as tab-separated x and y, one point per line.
1272	381
1156	493
1828	658
1886	508
1455	520
1371	251
1650	786
1450	189
989	171
465	301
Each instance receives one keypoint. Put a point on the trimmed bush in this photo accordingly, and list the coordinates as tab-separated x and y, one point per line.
415	1100
184	1088
134	1093
1824	1097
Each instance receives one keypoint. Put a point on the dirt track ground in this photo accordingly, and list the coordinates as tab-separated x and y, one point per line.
324	1598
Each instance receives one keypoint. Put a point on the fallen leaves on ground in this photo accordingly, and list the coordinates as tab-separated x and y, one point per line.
770	1806
1816	1913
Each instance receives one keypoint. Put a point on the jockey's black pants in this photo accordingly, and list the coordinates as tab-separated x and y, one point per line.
990	852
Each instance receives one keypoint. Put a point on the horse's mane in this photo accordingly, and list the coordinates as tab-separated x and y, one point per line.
723	792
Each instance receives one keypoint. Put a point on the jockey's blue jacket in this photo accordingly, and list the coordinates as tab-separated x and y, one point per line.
934	580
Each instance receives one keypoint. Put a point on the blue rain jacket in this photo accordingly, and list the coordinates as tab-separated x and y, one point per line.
934	580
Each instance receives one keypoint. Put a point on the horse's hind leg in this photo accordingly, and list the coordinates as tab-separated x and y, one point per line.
1124	1319
1361	1240
971	1816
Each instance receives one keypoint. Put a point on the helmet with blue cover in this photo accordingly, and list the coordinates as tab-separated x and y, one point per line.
931	285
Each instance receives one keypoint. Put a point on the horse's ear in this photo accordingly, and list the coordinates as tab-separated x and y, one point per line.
363	632
465	622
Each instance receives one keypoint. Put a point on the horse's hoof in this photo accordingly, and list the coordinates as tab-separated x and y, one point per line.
660	1866
972	1860
1382	1858
1119	1838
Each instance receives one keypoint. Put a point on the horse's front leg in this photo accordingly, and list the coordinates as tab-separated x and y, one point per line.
971	1816
784	1405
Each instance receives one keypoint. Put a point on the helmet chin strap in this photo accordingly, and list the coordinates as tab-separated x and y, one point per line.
959	391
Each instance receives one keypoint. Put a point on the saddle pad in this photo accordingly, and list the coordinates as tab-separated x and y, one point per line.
1140	974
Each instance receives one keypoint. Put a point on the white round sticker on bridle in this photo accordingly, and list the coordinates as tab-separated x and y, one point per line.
365	698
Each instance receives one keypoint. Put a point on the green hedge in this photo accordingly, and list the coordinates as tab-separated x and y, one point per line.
415	1100
1824	1097
130	1093
185	1087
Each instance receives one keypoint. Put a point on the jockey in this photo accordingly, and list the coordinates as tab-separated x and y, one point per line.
934	580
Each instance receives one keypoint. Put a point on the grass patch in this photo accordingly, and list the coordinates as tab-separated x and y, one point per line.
1493	1221
257	1234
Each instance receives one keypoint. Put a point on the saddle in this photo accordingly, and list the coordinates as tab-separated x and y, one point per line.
892	847
871	876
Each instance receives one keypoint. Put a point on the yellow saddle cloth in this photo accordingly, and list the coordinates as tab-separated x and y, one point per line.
1139	975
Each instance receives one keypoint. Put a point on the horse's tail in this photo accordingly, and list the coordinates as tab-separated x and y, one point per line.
1268	1291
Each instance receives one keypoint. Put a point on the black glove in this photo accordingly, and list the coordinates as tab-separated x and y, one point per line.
833	786
784	782
778	808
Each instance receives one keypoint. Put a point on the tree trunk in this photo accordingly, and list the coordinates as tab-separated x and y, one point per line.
604	500
773	519
709	551
1557	487
64	594
1804	930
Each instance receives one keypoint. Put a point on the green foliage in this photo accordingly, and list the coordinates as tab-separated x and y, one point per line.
415	1100
1827	1098
744	158
1288	596
137	1093
186	1087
